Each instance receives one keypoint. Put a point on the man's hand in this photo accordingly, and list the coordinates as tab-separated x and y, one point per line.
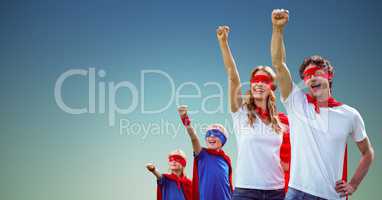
280	17
150	167
344	188
222	33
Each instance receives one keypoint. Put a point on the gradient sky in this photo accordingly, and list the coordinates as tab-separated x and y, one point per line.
49	154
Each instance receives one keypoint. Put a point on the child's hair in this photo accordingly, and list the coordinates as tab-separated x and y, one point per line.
180	153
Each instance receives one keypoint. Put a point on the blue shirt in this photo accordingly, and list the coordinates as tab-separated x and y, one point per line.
170	190
213	172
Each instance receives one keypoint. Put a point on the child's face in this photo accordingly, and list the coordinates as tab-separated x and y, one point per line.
213	142
175	166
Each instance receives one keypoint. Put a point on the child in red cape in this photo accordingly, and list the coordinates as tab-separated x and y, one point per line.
175	185
212	173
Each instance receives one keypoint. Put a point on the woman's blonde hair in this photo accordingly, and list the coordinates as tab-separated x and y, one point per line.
249	102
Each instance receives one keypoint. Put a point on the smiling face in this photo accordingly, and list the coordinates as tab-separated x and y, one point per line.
261	89
213	141
317	81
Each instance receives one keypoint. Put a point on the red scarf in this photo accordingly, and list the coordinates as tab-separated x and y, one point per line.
195	177
330	102
264	115
182	182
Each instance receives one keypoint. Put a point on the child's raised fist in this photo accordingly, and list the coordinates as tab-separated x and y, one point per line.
182	110
150	167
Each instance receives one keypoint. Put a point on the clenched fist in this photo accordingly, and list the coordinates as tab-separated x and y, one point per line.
150	167
182	110
280	17
222	33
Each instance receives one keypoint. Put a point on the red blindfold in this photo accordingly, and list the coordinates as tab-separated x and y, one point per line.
309	73
178	159
263	79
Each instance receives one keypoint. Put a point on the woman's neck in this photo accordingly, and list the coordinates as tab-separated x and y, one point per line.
261	103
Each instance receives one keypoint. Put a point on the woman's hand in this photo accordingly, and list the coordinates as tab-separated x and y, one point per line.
222	33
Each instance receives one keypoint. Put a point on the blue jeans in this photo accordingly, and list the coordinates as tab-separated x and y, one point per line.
254	194
294	194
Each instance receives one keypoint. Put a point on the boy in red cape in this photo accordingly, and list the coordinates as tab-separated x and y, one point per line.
212	174
173	186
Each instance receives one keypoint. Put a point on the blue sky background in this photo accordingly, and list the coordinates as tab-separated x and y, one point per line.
49	154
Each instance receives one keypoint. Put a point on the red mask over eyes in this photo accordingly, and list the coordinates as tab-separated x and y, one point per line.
263	79
178	159
309	73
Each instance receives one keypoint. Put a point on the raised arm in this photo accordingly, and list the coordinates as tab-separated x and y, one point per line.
367	157
182	110
151	167
234	85
280	18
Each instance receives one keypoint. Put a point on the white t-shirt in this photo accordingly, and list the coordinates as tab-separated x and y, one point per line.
258	160
318	143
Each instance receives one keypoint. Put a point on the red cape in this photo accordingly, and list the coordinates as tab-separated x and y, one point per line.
195	177
285	150
345	167
183	182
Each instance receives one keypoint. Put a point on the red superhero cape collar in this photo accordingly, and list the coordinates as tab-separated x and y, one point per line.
263	114
177	179
219	152
330	102
283	118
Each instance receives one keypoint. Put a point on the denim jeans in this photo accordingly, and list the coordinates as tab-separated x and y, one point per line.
294	194
254	194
